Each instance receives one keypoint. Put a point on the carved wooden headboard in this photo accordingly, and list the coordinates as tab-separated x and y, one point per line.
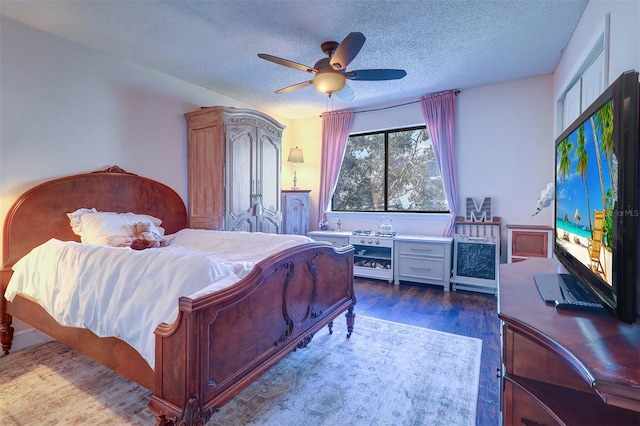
41	213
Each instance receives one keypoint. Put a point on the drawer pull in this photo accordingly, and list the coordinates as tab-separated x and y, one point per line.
421	269
420	249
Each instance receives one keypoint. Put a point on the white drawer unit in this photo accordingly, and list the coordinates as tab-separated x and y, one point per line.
373	257
337	239
423	259
403	257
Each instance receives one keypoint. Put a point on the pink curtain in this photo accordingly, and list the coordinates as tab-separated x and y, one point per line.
335	134
439	110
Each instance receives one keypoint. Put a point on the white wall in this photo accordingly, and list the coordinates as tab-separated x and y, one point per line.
505	131
505	148
504	151
305	133
624	43
66	109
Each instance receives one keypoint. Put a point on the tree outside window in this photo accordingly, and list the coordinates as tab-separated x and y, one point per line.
390	171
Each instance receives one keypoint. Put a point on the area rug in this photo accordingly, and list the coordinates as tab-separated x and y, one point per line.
385	374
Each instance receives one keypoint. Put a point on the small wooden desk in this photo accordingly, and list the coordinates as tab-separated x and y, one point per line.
559	367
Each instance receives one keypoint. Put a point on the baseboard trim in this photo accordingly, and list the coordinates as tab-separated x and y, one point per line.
29	337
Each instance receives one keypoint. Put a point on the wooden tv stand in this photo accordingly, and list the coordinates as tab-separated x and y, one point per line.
560	367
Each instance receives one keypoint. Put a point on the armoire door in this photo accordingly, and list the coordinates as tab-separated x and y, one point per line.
269	218
206	169
242	183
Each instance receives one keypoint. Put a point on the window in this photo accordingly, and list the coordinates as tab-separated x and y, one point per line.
390	171
589	80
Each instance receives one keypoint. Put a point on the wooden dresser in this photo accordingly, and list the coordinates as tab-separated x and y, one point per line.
560	367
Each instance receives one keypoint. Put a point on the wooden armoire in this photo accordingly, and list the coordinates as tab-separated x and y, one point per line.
234	170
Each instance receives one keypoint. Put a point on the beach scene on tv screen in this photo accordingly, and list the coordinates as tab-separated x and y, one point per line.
586	177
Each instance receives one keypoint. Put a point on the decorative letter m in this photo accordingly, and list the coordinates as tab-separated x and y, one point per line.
480	213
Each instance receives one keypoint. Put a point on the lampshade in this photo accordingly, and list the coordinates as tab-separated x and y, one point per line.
295	156
329	82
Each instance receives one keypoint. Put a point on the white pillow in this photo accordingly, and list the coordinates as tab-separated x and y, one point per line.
109	228
74	219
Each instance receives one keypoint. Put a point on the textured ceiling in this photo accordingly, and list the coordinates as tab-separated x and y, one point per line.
442	44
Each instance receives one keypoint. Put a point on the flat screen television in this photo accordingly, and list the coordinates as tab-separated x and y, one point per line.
597	198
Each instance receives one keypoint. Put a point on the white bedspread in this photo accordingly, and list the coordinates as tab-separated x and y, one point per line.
125	293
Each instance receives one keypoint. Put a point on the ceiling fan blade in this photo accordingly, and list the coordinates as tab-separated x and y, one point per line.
375	74
295	87
346	94
287	63
347	50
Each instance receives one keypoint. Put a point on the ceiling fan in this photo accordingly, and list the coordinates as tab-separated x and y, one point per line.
330	74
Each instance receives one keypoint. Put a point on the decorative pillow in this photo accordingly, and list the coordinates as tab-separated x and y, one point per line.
109	228
74	219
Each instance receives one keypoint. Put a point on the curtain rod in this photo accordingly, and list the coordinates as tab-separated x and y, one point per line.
390	106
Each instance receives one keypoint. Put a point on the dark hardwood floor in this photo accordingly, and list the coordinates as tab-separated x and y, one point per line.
458	312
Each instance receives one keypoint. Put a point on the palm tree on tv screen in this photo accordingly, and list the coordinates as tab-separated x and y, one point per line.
602	125
565	147
581	167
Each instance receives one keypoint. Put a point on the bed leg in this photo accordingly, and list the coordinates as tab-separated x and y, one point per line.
193	414
351	319
162	420
6	332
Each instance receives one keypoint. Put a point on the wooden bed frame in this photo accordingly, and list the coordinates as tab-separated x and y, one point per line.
219	343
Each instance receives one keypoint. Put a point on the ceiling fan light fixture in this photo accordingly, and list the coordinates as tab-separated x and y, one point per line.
329	82
330	74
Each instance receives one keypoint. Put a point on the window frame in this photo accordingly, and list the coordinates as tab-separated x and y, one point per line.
386	211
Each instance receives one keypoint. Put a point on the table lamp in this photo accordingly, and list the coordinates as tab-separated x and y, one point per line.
295	157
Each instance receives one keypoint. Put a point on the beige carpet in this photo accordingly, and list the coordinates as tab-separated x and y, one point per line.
385	374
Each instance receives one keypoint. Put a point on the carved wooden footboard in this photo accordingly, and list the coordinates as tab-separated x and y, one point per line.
221	343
